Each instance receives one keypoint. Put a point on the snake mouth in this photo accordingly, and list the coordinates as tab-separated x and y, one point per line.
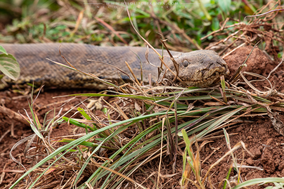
217	72
208	78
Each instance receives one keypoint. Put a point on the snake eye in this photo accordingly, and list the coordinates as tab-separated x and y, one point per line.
185	63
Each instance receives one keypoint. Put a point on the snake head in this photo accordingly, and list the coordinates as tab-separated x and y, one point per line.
199	68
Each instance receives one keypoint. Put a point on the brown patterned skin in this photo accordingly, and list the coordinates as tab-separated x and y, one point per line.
198	68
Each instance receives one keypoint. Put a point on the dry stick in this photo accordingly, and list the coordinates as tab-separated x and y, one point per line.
275	68
68	182
215	149
181	143
227	139
223	40
232	42
238	145
218	99
265	6
176	65
139	33
160	57
264	34
236	74
54	103
276	121
264	13
157	22
3	137
78	21
132	73
180	31
111	29
223	25
121	112
128	87
14	115
258	92
233	50
176	28
221	29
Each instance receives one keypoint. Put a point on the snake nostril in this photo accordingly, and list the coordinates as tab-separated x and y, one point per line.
185	63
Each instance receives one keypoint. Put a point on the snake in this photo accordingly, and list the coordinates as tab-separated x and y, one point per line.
39	65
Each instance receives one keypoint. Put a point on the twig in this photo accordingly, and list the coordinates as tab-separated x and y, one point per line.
264	13
111	29
14	115
236	74
275	68
4	136
233	42
223	40
176	65
176	28
221	29
160	57
233	50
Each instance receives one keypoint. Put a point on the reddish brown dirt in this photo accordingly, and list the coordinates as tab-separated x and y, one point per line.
257	134
43	104
258	62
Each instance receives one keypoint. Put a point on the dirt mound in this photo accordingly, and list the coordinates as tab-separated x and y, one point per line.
258	62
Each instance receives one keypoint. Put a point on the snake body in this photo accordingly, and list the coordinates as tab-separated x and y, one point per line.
197	68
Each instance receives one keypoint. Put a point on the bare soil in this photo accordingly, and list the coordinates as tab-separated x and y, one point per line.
257	133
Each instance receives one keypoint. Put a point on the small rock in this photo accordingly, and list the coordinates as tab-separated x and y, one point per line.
267	161
281	166
239	129
269	141
257	152
282	173
261	131
250	161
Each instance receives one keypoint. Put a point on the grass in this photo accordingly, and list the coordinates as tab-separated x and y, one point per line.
183	24
167	118
192	163
134	152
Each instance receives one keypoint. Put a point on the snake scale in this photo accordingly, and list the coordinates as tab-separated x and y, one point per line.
197	68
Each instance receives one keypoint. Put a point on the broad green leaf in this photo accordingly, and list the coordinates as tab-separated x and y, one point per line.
9	66
215	24
2	50
225	5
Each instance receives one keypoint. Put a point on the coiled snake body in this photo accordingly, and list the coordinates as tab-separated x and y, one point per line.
197	68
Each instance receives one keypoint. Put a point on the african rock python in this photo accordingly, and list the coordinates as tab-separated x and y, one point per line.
197	68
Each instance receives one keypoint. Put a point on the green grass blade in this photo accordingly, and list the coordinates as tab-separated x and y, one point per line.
259	181
77	123
82	139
